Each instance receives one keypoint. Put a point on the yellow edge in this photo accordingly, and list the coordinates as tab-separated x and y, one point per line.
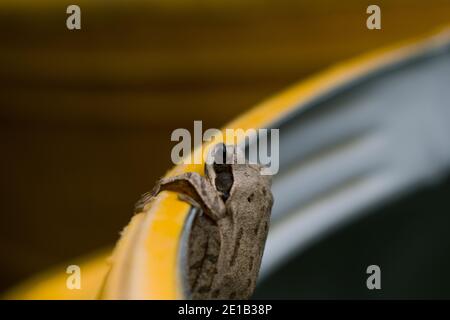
51	285
144	264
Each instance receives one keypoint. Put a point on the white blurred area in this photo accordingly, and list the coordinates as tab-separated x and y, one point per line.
379	137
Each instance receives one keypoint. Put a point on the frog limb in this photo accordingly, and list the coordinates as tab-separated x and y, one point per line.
193	187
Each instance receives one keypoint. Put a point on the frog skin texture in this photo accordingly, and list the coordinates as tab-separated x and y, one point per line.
227	237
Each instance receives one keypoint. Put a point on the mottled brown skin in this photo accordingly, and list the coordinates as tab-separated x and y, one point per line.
227	238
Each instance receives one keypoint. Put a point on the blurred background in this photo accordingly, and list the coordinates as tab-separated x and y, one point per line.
86	115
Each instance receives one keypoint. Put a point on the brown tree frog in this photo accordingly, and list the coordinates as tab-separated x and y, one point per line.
227	237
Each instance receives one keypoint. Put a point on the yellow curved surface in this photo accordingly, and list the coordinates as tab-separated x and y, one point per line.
144	262
51	285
